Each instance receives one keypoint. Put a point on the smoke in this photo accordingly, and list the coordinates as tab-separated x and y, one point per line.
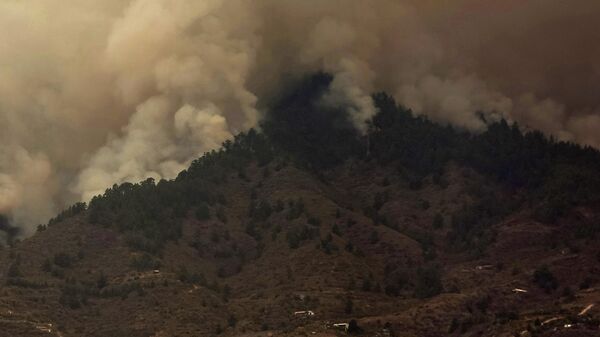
101	92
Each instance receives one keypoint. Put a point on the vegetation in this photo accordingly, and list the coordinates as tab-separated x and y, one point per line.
202	212
429	282
297	235
348	306
545	279
73	210
353	327
144	262
315	135
63	260
14	269
185	276
519	169
438	221
298	127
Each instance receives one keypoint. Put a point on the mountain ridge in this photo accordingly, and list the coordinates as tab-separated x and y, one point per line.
413	229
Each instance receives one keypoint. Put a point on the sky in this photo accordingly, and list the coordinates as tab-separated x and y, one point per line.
94	93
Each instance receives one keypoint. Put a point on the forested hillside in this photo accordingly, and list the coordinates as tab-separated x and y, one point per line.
409	227
545	174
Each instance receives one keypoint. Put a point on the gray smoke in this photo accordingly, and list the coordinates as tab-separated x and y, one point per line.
101	92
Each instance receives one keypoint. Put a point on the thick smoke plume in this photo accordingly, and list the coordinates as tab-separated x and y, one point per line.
100	92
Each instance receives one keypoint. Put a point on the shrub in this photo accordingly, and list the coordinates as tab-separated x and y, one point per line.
366	285
314	221
137	241
353	327
102	281
568	294
586	283
186	276
144	262
374	237
296	209
453	325
429	282
349	247
47	265
202	212
336	230
380	199
262	211
58	272
438	221
349	306
221	215
14	270
545	279
279	206
232	320
506	316
63	260
23	283
299	234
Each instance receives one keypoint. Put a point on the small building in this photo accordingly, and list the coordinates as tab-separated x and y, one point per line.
305	313
341	326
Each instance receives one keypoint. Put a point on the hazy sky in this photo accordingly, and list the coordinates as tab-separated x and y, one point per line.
100	92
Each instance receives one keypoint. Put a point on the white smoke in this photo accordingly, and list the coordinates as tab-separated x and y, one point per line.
20	183
101	92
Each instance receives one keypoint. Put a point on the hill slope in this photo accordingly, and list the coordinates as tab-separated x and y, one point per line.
412	229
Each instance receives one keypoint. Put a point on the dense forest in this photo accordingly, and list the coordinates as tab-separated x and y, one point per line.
300	129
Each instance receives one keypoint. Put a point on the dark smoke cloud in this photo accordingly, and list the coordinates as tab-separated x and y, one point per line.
100	92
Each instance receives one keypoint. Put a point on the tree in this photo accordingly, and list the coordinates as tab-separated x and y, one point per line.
102	281
202	212
374	237
14	268
349	306
63	260
545	279
366	285
353	327
438	221
335	229
144	262
47	265
429	282
232	320
221	215
315	135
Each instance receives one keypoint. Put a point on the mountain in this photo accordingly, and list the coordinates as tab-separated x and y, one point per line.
410	228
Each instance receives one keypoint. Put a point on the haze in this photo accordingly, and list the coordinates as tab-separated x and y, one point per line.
94	93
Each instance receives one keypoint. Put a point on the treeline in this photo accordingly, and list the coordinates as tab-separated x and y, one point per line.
529	160
318	136
315	134
152	213
303	128
555	175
